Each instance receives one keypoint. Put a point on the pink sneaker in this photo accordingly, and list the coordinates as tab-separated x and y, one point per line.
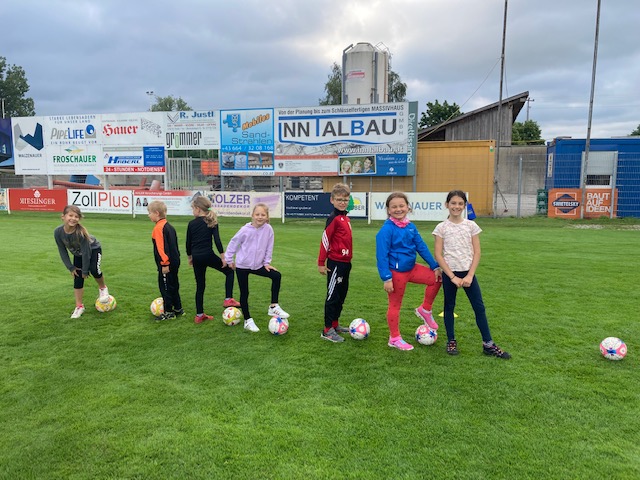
230	302
399	343
427	317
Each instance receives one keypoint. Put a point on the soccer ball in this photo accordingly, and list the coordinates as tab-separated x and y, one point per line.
231	316
426	335
278	325
359	329
106	307
613	348
157	307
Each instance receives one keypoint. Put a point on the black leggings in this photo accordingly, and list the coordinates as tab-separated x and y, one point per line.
200	265
243	283
94	267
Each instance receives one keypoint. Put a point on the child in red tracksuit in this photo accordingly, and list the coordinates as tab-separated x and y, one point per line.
167	256
334	259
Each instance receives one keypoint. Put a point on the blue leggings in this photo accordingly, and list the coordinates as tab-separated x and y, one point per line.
475	298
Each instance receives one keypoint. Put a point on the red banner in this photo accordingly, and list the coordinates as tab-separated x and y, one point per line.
37	199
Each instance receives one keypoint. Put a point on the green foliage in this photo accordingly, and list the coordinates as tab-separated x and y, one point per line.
13	88
437	113
333	87
636	131
118	395
397	88
526	133
169	104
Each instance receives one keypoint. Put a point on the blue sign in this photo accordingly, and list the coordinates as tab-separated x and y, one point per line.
153	156
309	205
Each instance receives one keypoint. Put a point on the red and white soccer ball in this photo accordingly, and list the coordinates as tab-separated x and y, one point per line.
232	316
613	348
426	335
359	329
107	306
157	307
278	325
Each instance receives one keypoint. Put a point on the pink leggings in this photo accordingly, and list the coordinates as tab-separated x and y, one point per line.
418	274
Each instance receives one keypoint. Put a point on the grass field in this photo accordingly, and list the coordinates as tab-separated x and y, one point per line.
118	395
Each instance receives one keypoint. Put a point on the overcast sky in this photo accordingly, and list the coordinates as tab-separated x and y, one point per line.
102	57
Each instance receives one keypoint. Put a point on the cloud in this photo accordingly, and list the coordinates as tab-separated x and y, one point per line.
87	57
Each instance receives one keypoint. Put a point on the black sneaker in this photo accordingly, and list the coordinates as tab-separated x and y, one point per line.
332	336
341	329
495	351
179	313
166	316
452	347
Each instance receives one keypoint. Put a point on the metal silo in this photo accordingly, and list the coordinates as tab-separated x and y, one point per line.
365	74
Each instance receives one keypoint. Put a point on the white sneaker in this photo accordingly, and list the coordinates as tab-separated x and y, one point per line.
103	295
77	313
250	325
277	311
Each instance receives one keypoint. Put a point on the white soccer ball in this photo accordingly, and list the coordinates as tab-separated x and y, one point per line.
359	329
426	335
278	325
613	348
106	307
232	316
157	307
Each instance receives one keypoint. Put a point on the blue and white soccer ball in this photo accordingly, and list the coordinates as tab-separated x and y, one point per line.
426	335
359	329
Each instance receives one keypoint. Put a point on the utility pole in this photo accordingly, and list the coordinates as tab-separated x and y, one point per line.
529	100
499	124
151	94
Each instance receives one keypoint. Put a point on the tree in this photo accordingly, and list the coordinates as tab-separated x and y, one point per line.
437	113
636	131
397	88
333	87
169	104
13	88
526	133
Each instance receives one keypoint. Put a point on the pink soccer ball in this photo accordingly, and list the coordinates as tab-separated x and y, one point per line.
613	348
359	329
278	325
426	335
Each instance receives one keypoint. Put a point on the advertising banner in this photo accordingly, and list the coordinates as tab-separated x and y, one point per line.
135	129
240	204
307	205
192	130
424	206
246	142
28	145
6	144
72	130
3	199
37	199
371	140
133	160
100	201
178	201
318	205
565	203
73	159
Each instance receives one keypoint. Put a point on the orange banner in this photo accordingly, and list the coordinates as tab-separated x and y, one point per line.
565	203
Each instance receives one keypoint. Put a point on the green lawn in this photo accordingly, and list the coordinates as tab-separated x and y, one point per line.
118	395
